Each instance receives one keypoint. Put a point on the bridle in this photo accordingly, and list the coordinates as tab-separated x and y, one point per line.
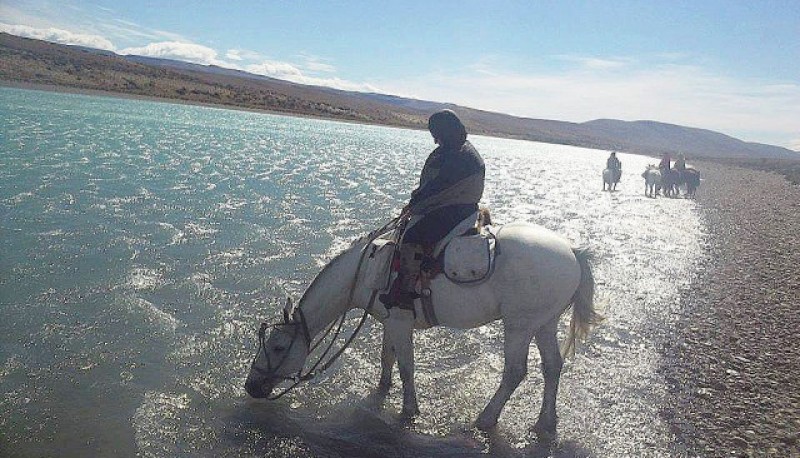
298	320
318	367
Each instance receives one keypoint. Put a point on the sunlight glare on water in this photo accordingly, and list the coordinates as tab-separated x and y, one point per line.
142	244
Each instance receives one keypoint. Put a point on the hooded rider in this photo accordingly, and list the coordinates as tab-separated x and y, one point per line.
614	164
664	165
450	187
680	162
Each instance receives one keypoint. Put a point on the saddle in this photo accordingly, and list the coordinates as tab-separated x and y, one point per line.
466	255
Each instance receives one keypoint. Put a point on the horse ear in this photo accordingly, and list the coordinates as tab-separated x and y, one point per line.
288	309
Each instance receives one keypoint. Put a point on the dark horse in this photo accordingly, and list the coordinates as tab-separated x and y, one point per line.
691	178
672	180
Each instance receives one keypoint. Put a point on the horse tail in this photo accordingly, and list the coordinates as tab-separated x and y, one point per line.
584	315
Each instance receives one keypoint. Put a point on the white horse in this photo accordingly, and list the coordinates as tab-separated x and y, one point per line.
652	180
611	178
537	276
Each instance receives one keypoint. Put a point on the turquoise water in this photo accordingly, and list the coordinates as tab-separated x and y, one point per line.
142	243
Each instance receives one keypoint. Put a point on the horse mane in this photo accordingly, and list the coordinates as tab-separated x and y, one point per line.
357	241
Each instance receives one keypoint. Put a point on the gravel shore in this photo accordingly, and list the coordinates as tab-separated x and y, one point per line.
733	367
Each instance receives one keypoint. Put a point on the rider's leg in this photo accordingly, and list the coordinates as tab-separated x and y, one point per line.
403	291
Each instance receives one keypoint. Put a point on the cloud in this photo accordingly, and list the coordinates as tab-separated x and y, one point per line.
315	64
750	109
58	36
130	32
338	83
233	54
189	52
290	72
596	63
199	54
281	70
242	54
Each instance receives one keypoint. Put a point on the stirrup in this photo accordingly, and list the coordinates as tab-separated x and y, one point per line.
402	300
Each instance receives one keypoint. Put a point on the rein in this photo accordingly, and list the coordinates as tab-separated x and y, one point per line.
299	320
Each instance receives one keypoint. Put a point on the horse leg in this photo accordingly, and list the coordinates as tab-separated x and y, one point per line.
399	328
552	362
516	339
388	358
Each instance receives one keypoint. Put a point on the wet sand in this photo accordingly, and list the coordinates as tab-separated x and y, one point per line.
733	367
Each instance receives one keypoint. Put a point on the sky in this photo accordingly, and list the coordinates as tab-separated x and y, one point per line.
725	65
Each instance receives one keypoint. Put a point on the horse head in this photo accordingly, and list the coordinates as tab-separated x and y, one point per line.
281	354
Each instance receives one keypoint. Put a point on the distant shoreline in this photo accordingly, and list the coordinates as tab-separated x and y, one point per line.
153	98
788	168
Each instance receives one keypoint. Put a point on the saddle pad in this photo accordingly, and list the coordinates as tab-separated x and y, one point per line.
469	259
462	227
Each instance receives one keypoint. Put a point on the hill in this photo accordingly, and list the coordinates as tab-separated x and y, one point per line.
28	61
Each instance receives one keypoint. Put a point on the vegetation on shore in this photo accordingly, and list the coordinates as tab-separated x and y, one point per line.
31	61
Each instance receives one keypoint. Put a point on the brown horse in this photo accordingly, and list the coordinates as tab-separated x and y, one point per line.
670	180
691	178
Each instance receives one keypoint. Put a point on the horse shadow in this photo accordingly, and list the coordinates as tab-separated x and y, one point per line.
370	428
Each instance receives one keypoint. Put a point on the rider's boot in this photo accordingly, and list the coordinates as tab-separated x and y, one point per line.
403	292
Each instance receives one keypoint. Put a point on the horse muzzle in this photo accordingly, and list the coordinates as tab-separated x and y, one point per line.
258	389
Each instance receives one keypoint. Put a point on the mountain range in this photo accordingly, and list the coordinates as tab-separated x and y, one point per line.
38	63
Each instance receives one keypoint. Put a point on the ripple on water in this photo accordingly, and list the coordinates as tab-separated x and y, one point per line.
153	316
210	217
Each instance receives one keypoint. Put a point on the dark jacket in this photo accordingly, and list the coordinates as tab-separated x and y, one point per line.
614	163
451	176
450	187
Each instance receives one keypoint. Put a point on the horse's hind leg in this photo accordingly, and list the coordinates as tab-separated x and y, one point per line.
517	338
552	363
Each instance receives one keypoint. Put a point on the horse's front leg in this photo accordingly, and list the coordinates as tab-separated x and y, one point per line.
388	358
399	331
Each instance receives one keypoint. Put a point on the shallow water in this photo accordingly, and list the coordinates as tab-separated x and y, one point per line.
141	244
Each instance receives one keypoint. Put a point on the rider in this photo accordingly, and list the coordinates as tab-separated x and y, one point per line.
680	162
614	164
450	187
664	165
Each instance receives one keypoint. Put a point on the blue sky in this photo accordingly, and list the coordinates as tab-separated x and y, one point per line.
730	66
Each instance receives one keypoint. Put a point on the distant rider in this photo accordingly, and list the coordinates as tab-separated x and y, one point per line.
450	187
664	165
680	163
614	164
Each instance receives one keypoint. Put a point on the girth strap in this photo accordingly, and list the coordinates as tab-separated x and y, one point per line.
426	298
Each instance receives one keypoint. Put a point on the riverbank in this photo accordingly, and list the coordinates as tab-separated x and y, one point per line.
177	101
734	364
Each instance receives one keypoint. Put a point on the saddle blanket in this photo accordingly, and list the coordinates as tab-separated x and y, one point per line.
466	259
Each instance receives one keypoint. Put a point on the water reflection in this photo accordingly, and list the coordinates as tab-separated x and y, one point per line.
143	243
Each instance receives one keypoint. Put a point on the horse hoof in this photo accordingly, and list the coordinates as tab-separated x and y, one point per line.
484	423
545	434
